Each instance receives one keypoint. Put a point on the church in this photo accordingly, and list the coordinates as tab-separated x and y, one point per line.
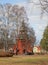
23	45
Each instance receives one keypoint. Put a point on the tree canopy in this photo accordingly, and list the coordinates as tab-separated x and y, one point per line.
44	40
11	17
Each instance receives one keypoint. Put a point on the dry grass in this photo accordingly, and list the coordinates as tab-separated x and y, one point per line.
25	60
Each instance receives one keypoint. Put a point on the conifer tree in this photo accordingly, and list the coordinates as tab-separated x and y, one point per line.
44	40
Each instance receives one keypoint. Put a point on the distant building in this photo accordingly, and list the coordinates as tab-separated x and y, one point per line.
2	46
37	49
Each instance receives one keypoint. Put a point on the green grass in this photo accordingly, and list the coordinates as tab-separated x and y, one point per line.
24	59
41	59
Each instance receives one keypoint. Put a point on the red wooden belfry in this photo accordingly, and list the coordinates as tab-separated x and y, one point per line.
23	45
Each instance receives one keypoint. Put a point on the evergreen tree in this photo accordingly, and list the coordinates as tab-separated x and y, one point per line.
44	40
26	33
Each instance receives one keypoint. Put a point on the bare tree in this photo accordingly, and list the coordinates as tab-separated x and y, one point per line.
32	36
44	6
20	15
10	21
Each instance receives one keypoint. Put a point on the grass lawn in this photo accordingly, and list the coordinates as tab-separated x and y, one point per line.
25	60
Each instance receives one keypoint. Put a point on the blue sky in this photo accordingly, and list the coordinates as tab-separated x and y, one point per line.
11	1
33	15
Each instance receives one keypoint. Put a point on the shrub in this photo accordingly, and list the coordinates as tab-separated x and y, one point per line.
5	54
